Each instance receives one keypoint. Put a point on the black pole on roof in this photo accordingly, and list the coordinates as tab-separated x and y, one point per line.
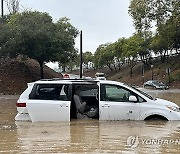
81	60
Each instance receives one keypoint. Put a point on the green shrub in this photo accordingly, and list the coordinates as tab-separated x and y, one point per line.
178	75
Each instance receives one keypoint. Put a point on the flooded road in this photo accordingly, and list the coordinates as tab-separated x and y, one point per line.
88	136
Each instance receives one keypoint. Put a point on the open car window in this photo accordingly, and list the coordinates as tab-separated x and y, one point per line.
86	89
91	92
49	92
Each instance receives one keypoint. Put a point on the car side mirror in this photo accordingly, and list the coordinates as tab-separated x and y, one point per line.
132	98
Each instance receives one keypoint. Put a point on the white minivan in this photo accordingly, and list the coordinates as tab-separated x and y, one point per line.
65	99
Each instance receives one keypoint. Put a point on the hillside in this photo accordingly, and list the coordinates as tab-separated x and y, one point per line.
15	74
159	73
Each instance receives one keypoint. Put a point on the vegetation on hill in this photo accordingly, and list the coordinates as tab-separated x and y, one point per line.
159	72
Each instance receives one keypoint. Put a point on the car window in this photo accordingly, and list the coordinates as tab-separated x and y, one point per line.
91	92
116	93
49	92
86	89
143	93
140	99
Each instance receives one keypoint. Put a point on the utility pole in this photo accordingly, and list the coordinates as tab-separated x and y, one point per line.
81	61
152	71
2	10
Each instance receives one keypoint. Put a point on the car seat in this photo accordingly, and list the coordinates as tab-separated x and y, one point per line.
81	108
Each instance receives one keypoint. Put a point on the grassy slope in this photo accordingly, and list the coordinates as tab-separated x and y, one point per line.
159	73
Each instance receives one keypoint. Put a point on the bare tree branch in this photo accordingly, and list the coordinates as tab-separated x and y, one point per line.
13	6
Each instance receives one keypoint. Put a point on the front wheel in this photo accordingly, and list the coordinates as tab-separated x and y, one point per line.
156	118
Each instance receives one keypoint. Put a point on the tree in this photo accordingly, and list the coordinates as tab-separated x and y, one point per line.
159	46
65	42
34	35
97	56
167	37
13	6
165	14
118	50
105	55
161	10
144	52
173	27
131	48
87	57
140	11
145	12
108	57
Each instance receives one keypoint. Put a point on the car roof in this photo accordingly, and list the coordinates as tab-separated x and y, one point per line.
78	81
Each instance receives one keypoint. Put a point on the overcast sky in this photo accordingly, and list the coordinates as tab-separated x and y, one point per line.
101	21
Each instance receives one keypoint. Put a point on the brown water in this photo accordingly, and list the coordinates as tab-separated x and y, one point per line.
88	136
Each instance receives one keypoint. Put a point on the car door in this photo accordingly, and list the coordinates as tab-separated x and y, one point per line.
49	102
115	105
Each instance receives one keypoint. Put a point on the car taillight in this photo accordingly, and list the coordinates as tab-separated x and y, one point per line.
21	104
66	76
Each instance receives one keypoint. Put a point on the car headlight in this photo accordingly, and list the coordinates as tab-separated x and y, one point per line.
173	108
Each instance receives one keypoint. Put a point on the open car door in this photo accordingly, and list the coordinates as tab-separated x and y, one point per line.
49	102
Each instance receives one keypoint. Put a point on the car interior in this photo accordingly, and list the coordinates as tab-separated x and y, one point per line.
85	103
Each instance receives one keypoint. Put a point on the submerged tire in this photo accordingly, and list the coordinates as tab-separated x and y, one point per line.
156	118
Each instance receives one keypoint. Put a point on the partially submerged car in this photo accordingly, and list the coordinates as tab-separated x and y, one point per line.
155	84
63	100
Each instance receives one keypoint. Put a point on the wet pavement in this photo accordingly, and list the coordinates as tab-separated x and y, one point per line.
89	136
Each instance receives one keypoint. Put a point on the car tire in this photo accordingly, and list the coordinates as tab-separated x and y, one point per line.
156	118
145	86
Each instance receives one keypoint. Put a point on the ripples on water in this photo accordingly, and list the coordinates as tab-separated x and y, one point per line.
91	136
87	136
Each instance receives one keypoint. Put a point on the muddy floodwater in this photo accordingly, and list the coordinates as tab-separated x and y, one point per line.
89	136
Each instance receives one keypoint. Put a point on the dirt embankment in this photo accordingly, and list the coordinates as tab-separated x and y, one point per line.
15	74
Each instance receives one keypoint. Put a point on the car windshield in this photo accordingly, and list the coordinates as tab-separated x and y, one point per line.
158	83
99	74
143	93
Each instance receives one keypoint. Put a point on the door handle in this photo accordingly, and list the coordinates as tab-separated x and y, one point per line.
64	105
105	105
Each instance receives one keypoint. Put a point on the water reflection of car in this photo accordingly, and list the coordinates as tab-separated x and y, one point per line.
61	136
155	84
